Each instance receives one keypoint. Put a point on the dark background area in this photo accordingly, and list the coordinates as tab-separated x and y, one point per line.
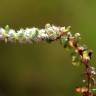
43	69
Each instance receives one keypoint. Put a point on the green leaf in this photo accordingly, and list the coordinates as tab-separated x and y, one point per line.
94	90
75	59
68	28
64	41
36	33
7	28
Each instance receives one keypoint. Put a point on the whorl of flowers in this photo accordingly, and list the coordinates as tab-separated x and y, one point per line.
80	54
29	35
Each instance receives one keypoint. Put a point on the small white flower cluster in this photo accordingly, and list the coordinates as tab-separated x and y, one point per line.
93	71
50	32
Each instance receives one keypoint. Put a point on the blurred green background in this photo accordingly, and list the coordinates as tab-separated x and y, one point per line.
43	69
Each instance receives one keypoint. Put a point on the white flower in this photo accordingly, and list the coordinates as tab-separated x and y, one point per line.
77	34
27	32
93	71
42	34
11	33
41	31
50	30
47	26
56	29
33	32
20	32
2	31
62	29
69	34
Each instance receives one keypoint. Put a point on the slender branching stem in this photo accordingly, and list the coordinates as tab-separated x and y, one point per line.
80	54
